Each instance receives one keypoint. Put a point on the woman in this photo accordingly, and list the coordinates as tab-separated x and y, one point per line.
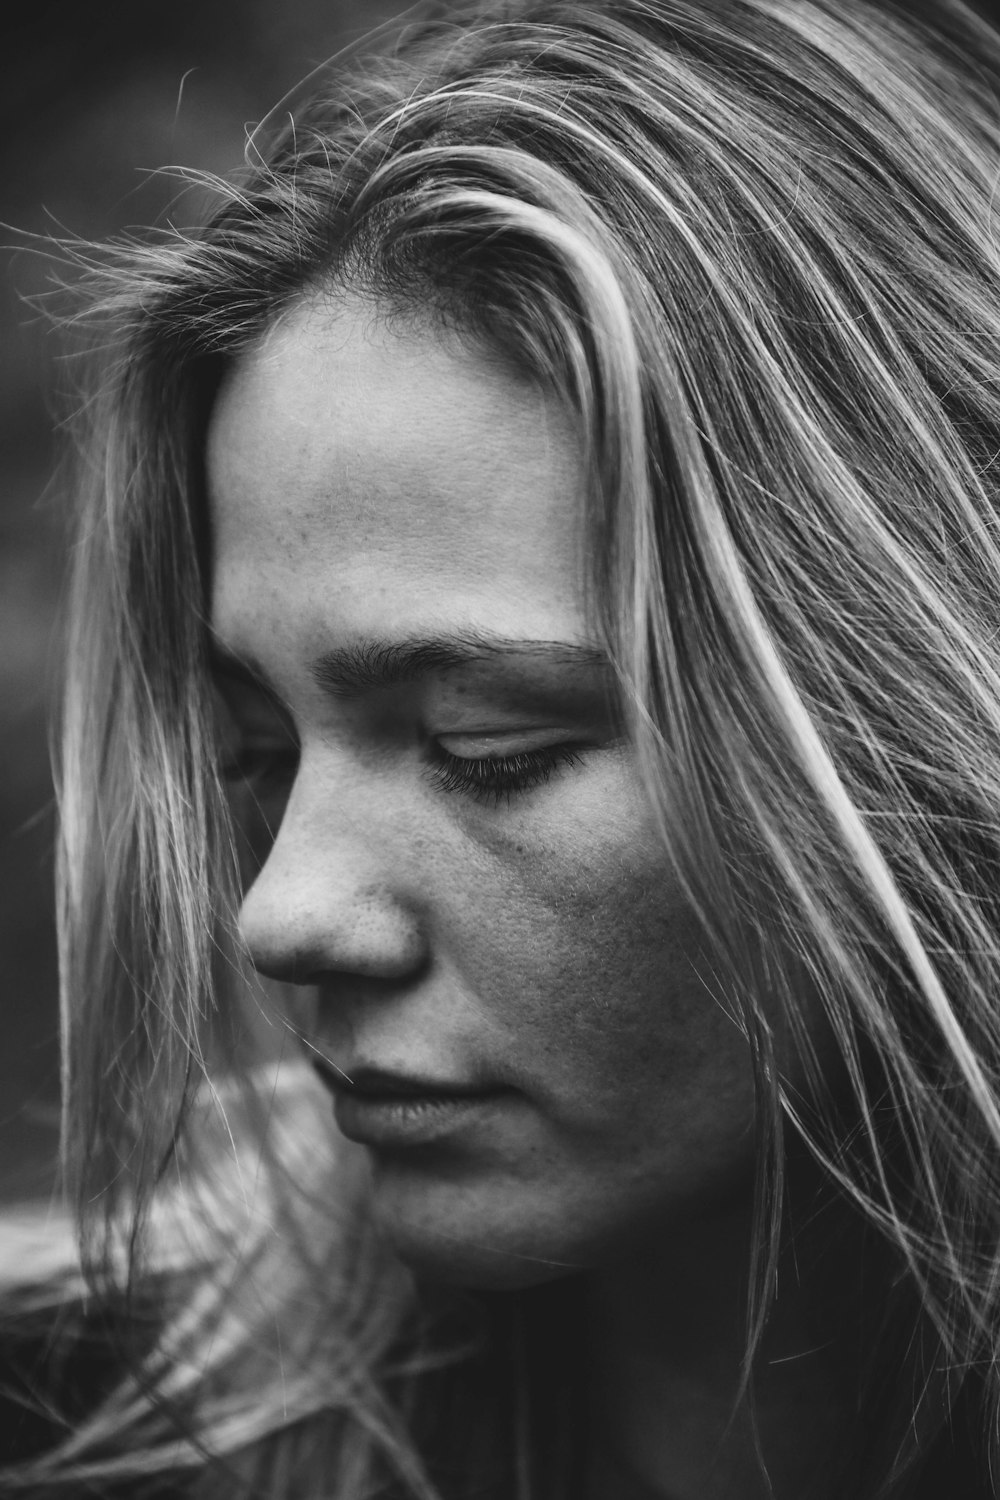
532	679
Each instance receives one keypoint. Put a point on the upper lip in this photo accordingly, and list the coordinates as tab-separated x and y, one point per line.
382	1082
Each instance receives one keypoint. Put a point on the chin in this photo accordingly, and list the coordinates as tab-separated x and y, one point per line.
474	1267
456	1236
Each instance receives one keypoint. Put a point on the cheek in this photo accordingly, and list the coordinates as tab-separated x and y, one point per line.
589	963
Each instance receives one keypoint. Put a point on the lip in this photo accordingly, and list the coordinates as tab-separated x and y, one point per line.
380	1108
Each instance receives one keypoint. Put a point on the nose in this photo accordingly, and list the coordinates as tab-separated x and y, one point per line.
329	899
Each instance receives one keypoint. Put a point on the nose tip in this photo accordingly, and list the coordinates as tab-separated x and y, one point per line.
367	933
324	904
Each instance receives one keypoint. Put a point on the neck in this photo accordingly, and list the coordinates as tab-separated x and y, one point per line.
666	1337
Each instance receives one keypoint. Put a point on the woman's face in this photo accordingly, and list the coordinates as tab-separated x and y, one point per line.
458	862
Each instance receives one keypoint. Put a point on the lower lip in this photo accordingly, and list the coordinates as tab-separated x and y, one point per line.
398	1120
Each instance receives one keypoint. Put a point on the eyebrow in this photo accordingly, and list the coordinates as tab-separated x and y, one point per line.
368	665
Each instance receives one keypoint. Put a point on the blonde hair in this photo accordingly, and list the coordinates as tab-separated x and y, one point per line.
751	244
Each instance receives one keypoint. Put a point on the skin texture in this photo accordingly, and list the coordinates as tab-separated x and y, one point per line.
374	479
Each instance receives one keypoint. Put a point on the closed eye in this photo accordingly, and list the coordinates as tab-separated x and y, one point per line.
257	753
498	778
260	766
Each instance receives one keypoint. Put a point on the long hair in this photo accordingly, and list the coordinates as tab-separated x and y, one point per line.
750	244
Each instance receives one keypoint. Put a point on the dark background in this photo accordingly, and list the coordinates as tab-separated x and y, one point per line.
93	98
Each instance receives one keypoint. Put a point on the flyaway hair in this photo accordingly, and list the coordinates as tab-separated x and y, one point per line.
751	244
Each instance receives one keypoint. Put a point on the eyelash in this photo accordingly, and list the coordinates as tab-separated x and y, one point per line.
485	778
497	778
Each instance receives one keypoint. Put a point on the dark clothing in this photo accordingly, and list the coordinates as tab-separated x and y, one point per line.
53	1373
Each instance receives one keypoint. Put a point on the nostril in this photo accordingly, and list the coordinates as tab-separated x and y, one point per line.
282	968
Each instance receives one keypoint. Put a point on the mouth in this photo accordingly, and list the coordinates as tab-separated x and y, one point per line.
382	1108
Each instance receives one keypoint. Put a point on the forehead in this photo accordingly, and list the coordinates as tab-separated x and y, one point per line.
390	466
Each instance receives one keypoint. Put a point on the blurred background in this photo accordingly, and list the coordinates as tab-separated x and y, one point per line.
94	96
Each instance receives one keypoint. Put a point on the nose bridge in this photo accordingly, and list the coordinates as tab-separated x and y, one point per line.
331	896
